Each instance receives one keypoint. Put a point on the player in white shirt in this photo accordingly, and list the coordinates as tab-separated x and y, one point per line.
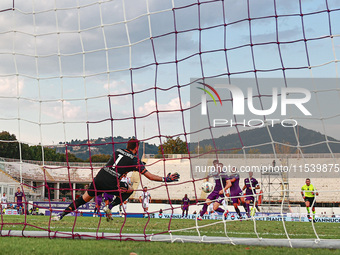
3	201
126	179
145	199
123	206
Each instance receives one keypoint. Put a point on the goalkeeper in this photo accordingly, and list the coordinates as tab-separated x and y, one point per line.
109	177
308	193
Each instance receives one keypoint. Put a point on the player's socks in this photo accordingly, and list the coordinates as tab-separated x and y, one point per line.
313	215
246	207
74	205
204	209
308	213
117	201
238	212
226	214
257	207
219	210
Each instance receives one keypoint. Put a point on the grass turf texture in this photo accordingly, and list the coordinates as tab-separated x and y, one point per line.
265	229
37	246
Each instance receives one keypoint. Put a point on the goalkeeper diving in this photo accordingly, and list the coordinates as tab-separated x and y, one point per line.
108	179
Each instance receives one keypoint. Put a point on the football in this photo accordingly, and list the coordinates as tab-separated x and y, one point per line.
207	187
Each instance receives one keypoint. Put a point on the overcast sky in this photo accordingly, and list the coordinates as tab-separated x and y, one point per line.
87	69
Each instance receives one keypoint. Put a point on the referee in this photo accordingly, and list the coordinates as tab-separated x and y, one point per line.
108	179
308	193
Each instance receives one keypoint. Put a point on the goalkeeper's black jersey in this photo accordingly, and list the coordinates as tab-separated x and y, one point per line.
121	162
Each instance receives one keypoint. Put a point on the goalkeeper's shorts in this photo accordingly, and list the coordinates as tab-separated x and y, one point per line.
99	186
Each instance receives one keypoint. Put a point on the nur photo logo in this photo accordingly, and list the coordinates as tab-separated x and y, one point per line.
204	97
285	96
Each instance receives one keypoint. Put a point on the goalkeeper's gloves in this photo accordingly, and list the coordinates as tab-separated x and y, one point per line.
171	177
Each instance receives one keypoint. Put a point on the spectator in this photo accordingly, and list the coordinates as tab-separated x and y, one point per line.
3	201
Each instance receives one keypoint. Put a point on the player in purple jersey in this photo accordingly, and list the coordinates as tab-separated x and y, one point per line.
222	184
108	198
98	201
185	205
18	197
251	185
236	194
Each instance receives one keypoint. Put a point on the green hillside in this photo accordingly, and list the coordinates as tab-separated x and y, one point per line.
82	148
307	138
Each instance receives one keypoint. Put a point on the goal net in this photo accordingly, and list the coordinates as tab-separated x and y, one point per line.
252	84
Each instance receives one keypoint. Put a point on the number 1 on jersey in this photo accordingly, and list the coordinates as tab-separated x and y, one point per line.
120	156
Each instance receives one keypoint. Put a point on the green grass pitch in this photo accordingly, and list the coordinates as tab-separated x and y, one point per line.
265	229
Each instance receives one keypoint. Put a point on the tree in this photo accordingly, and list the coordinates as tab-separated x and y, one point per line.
235	151
206	149
254	151
283	149
8	149
26	152
99	158
70	156
173	146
